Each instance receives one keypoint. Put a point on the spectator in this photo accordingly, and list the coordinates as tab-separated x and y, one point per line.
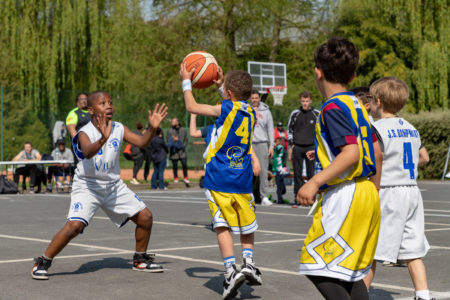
301	130
79	116
59	132
278	168
60	153
138	154
159	158
262	143
27	154
177	142
279	132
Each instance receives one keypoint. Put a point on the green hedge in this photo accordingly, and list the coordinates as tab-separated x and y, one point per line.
434	129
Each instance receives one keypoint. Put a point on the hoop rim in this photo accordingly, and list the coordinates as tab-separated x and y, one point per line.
281	87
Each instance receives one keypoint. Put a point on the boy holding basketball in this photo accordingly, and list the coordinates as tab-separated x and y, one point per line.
97	183
402	227
228	175
340	245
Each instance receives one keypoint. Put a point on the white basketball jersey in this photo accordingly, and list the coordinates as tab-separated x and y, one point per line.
400	144
104	166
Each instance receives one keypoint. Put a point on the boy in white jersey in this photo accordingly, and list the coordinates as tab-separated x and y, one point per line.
402	235
97	183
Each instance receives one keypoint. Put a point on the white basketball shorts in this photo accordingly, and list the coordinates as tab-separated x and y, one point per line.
402	224
116	200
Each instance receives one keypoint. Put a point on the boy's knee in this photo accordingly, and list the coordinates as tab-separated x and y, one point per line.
74	228
144	218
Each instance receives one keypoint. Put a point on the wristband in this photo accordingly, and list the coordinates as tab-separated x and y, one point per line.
186	85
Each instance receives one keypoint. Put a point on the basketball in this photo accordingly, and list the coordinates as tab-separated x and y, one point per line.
206	70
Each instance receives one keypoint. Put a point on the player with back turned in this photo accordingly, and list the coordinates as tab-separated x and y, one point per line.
340	245
402	227
228	175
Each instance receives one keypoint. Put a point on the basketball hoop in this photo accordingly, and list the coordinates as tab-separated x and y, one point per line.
278	93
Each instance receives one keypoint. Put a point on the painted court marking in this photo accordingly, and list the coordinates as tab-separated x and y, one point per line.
184	258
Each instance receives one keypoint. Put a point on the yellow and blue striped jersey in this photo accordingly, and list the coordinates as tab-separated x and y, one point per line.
228	155
343	121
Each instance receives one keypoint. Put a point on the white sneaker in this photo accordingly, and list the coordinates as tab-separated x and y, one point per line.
231	284
186	180
266	202
252	273
175	180
134	181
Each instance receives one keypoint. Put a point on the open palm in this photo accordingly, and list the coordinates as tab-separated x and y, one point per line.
159	113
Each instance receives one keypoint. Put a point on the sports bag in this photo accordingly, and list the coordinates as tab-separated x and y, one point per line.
127	152
7	187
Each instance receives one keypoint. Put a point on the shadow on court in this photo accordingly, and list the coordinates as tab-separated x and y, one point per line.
377	293
214	281
105	263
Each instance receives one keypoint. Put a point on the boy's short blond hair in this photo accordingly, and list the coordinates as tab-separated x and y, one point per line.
392	92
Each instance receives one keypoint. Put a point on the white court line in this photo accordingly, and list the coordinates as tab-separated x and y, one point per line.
437	295
436	215
121	251
69	256
437	229
440	224
437	210
440	247
203	226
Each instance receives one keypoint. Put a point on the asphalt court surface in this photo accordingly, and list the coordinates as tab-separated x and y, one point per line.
97	264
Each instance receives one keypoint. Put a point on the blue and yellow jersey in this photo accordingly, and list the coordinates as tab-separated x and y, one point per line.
342	121
228	156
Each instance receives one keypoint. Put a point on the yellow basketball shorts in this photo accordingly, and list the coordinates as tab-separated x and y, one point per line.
342	240
235	211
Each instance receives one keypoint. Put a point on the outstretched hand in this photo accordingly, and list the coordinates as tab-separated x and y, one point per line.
184	73
104	126
159	113
219	79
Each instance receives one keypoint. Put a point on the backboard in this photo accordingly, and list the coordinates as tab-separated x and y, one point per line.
266	75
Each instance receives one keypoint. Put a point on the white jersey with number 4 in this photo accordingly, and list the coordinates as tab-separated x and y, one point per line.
104	166
400	145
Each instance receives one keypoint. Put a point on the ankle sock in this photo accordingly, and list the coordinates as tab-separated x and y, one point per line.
423	294
247	255
228	262
46	258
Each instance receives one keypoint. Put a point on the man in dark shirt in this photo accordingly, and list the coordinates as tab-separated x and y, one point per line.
301	130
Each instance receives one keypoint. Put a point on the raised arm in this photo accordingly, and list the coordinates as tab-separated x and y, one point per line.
155	119
91	149
191	105
193	131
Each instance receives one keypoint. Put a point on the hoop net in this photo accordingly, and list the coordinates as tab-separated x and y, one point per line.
278	93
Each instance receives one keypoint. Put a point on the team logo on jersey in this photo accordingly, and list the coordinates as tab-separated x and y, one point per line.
400	121
100	152
77	206
235	154
115	144
136	196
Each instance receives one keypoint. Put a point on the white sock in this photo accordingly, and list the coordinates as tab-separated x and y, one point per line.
423	294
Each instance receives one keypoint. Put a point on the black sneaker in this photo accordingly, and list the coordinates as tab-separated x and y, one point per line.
144	262
40	268
252	273
232	283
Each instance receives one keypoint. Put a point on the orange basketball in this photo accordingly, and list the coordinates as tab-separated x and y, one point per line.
206	70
